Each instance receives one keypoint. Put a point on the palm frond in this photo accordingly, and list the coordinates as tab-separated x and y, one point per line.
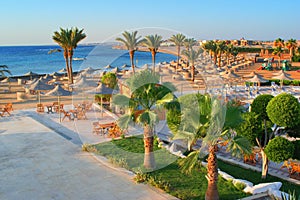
190	162
124	121
121	100
239	146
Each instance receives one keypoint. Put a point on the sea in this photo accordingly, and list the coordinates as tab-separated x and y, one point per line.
38	59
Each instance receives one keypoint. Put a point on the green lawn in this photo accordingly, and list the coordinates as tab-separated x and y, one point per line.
129	154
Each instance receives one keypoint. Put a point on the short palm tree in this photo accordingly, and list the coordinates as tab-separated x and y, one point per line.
218	121
221	46
278	51
152	42
188	44
211	47
131	42
178	40
192	56
291	44
3	70
68	40
228	51
147	94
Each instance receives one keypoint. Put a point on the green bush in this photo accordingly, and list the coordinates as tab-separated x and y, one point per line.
110	79
296	58
259	105
284	110
279	149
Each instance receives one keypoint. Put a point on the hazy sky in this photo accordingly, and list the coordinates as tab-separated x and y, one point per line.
34	21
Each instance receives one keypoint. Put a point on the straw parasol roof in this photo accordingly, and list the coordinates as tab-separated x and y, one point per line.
83	83
252	74
58	91
108	67
63	70
30	73
40	85
257	79
125	66
283	76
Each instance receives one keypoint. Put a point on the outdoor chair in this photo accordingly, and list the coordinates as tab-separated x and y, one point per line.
67	114
39	108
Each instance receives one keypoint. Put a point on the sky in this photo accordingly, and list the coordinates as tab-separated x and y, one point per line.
32	22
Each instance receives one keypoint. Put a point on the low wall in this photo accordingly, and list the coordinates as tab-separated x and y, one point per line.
296	64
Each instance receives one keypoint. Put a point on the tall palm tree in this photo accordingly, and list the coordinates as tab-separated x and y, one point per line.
75	37
178	40
219	121
291	44
228	52
152	42
188	44
211	47
68	40
145	93
62	38
278	51
131	42
3	70
221	46
192	56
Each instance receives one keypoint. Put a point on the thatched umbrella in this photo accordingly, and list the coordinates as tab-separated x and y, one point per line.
108	67
101	89
83	83
63	70
252	74
30	74
58	91
39	86
283	76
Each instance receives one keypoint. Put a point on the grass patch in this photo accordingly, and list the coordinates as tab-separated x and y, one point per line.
255	177
128	153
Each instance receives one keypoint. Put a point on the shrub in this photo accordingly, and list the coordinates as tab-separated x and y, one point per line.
284	110
110	79
279	149
120	162
259	105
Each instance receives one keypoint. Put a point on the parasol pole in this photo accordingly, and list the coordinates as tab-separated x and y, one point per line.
59	109
101	106
39	96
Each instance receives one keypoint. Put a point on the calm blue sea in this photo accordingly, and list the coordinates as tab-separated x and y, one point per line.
22	59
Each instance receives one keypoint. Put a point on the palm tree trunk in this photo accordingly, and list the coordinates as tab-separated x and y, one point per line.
67	63
149	161
131	54
265	164
215	58
178	54
219	61
71	69
153	60
193	72
212	175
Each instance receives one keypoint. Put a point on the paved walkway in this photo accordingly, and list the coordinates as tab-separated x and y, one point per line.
39	163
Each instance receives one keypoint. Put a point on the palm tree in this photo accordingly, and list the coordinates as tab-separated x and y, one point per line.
291	44
145	93
192	56
278	42
228	51
131	42
178	40
152	42
219	121
3	70
221	46
211	47
68	40
188	44
62	38
278	51
76	36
